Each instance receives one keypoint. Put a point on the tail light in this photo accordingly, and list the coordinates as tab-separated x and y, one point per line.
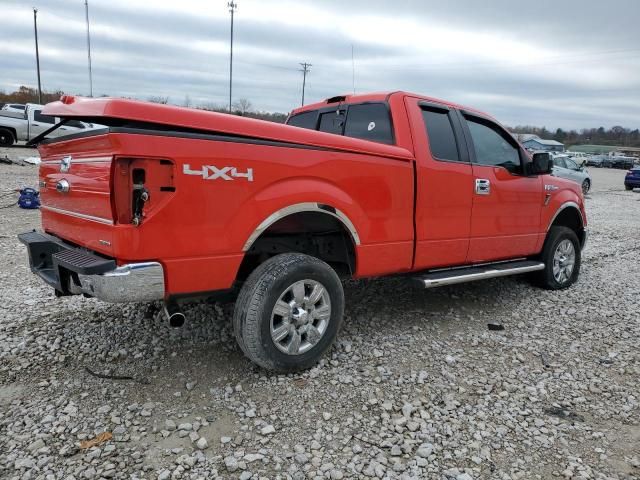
140	186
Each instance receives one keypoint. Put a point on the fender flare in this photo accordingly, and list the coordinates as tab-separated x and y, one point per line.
302	207
563	207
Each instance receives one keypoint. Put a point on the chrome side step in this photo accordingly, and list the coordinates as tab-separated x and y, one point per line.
472	273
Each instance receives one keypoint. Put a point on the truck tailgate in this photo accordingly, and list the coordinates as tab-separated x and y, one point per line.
75	187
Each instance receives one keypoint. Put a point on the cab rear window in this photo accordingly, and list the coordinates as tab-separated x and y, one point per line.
368	121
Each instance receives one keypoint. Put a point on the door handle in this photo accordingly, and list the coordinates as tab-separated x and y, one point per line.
483	186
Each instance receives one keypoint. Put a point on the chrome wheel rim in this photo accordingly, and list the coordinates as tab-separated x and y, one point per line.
564	260
300	317
585	187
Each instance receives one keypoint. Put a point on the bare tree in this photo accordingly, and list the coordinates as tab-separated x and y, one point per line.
242	106
158	99
187	101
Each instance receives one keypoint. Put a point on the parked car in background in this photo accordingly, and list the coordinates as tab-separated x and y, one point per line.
594	161
31	123
622	161
14	107
565	167
579	157
632	179
14	110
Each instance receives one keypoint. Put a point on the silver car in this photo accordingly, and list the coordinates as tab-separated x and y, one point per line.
565	167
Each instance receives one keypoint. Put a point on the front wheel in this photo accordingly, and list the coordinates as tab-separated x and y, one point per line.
561	257
628	187
586	186
288	312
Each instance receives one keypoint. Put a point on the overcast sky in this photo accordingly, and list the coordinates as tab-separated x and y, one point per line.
560	63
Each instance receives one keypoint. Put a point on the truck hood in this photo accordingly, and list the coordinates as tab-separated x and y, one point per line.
122	112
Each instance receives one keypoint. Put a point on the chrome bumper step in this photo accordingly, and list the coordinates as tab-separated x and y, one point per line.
469	274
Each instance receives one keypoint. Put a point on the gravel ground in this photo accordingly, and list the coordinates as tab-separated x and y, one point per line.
416	386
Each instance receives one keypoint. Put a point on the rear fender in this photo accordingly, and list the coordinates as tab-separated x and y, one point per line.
293	195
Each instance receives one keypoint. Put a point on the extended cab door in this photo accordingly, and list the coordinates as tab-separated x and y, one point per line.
444	185
507	204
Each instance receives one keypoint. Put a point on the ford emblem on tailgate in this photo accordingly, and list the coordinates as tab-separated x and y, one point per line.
65	163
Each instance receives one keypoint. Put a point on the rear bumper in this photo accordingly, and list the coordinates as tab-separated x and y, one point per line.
72	271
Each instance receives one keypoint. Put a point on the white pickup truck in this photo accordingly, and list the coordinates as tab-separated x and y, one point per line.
22	128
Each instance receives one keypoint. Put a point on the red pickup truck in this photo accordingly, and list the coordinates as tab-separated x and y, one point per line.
168	203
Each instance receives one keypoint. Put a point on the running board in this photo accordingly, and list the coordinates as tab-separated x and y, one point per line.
470	274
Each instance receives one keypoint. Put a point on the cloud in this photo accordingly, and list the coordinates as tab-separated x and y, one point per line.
557	64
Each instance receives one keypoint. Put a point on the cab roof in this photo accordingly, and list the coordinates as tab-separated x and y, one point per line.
379	97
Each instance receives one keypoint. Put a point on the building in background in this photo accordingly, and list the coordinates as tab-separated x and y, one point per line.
533	142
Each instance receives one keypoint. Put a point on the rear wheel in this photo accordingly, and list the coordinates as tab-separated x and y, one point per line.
628	187
288	312
586	186
561	257
6	138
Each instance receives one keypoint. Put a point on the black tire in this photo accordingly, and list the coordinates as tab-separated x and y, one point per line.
254	309
545	278
586	186
6	138
628	187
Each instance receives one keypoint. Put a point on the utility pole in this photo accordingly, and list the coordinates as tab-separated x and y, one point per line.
35	29
232	8
86	11
305	70
353	71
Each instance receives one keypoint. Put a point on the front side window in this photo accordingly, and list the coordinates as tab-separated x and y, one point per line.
369	121
559	162
304	120
492	146
442	140
571	164
39	117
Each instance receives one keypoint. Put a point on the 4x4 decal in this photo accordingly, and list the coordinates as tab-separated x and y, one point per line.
211	172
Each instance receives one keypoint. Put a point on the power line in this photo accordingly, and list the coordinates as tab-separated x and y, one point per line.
305	70
35	30
232	8
86	9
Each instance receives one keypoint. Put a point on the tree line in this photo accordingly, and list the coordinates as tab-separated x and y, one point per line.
617	135
614	136
242	107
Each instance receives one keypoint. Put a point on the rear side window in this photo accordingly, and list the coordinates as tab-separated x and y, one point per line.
304	120
332	122
39	117
442	140
369	121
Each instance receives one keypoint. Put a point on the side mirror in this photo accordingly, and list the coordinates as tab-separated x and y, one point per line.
541	163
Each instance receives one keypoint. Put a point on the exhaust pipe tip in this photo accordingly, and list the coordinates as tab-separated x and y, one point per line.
174	315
